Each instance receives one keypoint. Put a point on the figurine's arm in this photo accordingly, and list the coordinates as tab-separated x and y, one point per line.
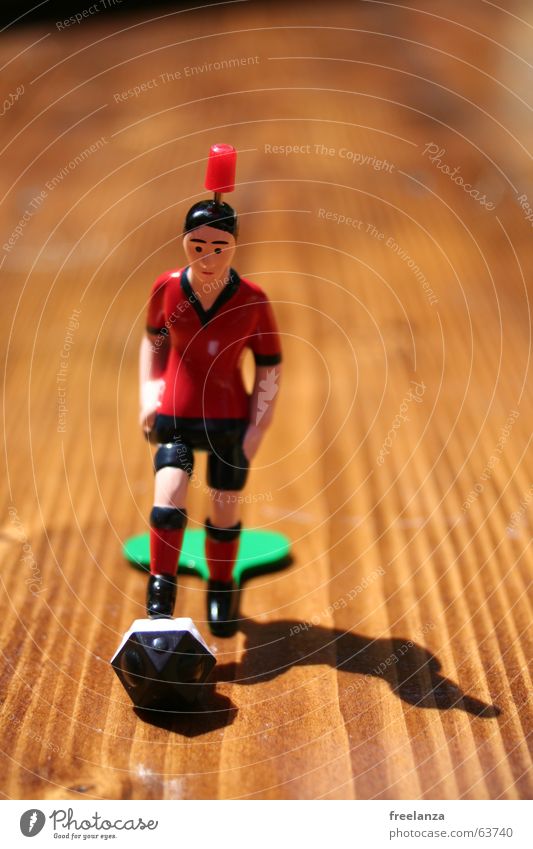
152	364
262	403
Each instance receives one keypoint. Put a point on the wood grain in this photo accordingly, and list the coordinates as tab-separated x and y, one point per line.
391	660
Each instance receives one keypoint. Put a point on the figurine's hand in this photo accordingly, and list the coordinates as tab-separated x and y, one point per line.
151	393
252	440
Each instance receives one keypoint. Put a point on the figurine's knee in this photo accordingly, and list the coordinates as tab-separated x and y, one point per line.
173	464
227	468
176	455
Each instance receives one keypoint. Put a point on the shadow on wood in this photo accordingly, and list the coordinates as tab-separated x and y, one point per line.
216	711
411	671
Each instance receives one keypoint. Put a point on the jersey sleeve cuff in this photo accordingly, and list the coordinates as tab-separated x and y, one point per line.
267	359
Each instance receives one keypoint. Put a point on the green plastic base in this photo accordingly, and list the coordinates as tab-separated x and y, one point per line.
259	552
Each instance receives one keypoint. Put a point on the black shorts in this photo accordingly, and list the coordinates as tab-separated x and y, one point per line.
227	466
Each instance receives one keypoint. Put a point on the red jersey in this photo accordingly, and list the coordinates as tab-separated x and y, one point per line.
203	375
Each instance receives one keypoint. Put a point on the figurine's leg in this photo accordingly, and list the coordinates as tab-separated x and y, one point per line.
221	549
223	528
173	465
227	473
221	546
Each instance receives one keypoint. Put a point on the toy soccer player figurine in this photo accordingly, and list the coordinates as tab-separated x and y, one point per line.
200	320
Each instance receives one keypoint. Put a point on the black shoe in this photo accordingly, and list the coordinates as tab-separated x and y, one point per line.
223	607
161	596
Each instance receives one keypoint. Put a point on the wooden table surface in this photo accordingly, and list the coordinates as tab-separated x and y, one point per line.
383	184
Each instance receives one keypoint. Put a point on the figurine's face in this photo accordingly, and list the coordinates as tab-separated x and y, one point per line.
209	253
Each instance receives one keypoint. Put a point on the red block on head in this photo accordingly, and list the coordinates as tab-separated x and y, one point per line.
220	175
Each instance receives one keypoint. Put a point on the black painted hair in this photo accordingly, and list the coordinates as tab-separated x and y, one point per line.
209	213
